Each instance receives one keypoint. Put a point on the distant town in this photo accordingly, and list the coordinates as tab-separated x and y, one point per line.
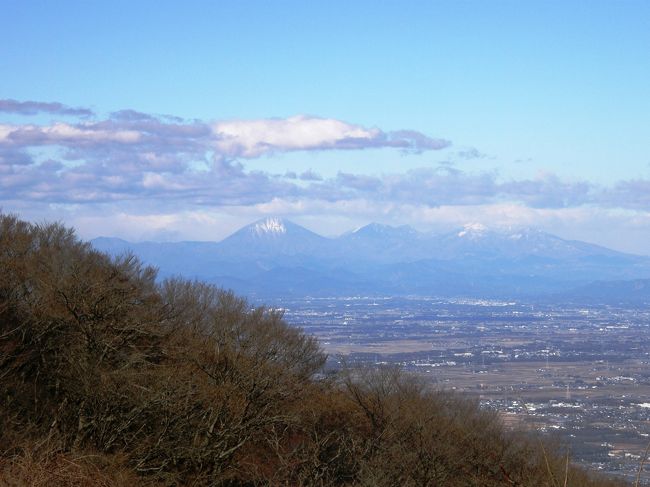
579	373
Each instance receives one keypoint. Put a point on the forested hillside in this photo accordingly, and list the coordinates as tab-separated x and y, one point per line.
111	377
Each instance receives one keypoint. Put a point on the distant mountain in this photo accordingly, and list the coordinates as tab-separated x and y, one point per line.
383	243
272	237
631	292
479	241
275	256
191	259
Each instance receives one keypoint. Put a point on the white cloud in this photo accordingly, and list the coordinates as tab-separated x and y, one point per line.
252	138
64	133
80	133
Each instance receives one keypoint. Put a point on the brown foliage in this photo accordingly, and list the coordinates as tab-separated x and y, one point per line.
45	467
108	377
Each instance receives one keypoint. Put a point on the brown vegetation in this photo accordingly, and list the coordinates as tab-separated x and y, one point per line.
108	377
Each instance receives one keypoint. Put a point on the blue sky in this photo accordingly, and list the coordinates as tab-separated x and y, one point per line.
428	113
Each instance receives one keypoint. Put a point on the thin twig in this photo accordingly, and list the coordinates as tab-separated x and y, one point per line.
548	465
566	469
643	459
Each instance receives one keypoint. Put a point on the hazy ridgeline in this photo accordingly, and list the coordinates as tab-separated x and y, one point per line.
110	377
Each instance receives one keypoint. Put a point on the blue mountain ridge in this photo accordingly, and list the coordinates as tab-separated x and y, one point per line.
275	257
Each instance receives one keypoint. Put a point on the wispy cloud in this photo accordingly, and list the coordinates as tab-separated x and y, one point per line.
471	153
36	107
448	186
310	175
633	193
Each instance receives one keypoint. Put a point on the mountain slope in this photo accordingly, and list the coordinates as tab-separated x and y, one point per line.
630	292
383	244
478	240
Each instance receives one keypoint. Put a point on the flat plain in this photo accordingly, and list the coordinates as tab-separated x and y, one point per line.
577	372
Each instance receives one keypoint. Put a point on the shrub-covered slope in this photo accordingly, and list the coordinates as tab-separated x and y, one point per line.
108	377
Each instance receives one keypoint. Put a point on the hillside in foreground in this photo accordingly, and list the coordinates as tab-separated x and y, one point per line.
111	377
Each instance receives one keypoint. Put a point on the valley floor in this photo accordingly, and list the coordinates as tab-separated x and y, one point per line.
579	373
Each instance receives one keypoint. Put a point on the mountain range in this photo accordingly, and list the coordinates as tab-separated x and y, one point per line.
276	257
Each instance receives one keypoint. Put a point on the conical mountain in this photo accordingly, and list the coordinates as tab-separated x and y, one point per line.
272	236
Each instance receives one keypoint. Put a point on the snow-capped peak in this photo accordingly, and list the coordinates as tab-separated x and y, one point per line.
270	226
473	230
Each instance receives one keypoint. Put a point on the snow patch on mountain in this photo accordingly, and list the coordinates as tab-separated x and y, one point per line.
473	230
269	226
